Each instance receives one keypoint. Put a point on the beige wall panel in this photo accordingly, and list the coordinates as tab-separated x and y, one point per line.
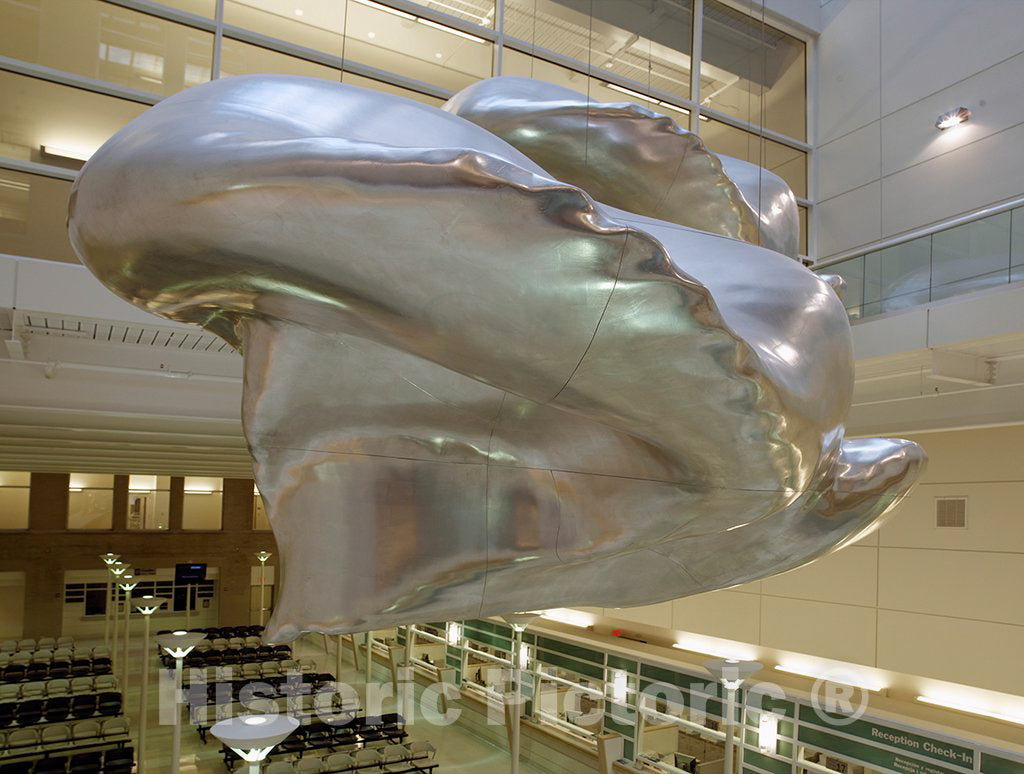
730	615
840	632
929	44
12	604
973	653
969	177
960	584
651	615
849	220
993	519
849	161
848	52
847	576
992	454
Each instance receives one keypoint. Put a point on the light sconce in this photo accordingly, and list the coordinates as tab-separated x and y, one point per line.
953	118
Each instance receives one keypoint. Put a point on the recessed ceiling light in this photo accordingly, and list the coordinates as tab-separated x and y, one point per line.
438	55
609	65
371	35
953	118
299	12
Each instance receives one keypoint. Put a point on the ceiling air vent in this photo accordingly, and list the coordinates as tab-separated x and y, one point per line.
951	512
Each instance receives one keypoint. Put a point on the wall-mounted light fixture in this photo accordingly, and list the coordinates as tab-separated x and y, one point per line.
768	732
834	676
65	153
953	118
961	707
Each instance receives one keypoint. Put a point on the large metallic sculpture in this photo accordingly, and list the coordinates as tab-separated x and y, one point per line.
514	354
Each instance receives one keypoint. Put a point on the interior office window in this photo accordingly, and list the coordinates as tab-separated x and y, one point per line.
90	501
14	491
33	212
104	41
646	42
387	88
752	71
203	503
402	43
318	26
788	163
259	512
149	501
238	58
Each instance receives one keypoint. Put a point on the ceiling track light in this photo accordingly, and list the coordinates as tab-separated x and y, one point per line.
953	118
834	677
64	153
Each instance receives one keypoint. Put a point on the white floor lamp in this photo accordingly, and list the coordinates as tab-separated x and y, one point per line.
147	605
117	569
254	736
108	559
126	584
731	673
518	622
262	556
177	645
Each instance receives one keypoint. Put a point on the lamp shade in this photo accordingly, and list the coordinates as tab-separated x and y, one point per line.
148	604
263	555
179	643
732	672
254	736
519	621
109	558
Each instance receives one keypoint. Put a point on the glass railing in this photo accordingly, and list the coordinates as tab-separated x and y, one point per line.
978	254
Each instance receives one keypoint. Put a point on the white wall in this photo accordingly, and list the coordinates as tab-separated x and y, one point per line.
886	70
912	599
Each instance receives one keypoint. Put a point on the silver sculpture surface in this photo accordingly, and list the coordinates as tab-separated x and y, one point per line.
470	387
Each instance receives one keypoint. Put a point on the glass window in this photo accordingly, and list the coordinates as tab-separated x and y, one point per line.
905	274
33	216
646	41
788	163
35	113
1017	244
405	44
259	512
205	8
90	501
149	502
752	71
14	491
238	58
387	88
203	502
107	42
971	256
317	25
872	284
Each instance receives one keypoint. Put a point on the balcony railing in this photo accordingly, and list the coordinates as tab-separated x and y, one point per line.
969	256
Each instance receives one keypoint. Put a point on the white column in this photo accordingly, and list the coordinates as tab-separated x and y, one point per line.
106	621
369	657
127	640
176	738
730	712
517	693
144	706
115	655
338	666
263	581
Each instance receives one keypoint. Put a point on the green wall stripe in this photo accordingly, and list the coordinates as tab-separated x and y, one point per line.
615	662
582	667
575	651
993	764
766	762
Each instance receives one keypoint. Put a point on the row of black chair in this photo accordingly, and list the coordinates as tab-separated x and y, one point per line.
60	708
319	737
281	685
55	670
116	761
237	655
225	632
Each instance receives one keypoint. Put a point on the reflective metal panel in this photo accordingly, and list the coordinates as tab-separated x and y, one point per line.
470	388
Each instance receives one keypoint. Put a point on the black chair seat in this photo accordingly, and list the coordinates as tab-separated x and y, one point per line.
50	766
